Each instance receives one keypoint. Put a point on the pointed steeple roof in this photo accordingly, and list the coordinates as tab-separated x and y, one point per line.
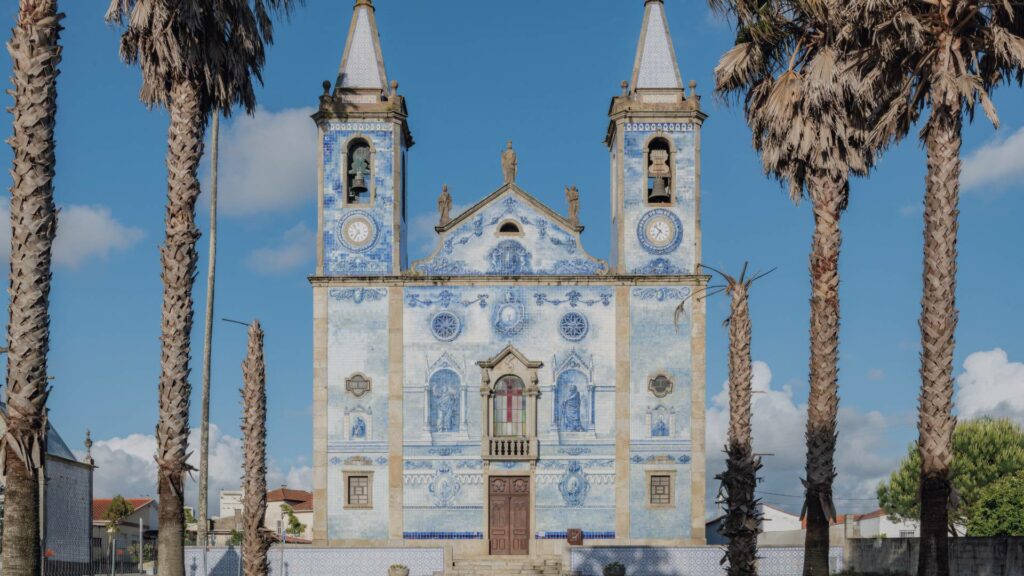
656	65
362	66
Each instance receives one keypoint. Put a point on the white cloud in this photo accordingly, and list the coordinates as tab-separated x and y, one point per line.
296	247
876	374
126	466
864	455
267	162
991	385
996	164
83	233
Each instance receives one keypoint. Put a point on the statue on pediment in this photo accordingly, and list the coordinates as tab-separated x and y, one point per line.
444	206
572	195
509	164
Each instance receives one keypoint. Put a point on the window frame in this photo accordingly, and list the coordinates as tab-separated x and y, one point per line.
502	390
347	476
649	476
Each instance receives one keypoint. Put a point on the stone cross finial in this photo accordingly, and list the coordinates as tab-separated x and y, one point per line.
693	88
394	87
88	447
625	87
509	164
444	206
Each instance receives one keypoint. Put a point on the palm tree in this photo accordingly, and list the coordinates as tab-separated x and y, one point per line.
941	57
255	540
739	481
211	274
806	110
196	56
35	54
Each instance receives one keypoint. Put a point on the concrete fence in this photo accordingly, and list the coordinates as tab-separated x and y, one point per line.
967	556
309	561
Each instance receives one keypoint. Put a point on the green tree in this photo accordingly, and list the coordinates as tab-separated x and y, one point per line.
191	537
999	510
118	511
295	527
236	538
984	451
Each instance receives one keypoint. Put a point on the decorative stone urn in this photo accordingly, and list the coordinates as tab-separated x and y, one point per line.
614	569
398	570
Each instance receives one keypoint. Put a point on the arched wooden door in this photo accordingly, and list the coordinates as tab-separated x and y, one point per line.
509	515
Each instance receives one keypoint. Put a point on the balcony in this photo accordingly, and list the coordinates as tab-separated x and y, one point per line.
511	448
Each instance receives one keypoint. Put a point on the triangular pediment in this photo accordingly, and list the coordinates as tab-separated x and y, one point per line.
509	355
510	233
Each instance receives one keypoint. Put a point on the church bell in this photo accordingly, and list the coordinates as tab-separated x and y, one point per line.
660	194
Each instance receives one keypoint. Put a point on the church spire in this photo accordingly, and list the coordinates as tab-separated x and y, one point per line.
656	66
362	66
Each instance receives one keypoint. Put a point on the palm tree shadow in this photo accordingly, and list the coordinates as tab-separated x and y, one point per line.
226	565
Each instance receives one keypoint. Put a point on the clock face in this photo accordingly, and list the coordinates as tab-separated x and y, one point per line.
358	232
659	231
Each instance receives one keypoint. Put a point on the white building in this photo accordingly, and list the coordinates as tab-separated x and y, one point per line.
230	500
878	525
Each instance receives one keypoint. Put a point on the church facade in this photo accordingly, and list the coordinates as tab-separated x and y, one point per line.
509	391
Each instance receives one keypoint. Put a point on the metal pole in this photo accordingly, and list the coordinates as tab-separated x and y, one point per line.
142	553
284	541
204	451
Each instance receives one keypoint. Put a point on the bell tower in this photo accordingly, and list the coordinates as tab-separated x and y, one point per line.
364	137
654	139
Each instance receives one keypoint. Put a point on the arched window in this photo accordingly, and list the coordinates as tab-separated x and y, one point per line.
570	405
445	404
659	172
510	228
359	172
509	407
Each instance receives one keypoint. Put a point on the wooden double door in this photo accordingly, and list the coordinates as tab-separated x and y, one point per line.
508	500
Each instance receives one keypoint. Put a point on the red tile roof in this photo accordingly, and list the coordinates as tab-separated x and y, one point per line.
101	505
876	514
306	506
283	494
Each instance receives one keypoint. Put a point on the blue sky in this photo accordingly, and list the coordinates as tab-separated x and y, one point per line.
475	75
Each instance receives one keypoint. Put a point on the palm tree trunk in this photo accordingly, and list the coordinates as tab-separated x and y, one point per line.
938	331
739	482
255	541
35	54
828	198
204	434
178	257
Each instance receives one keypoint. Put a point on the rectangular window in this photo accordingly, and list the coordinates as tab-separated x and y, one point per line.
359	490
907	534
661	490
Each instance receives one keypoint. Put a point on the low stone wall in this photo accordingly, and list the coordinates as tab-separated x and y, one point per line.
967	556
695	561
307	561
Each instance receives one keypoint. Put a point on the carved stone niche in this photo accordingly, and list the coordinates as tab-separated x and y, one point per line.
509	426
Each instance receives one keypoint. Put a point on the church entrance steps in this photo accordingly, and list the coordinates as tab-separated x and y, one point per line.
507	566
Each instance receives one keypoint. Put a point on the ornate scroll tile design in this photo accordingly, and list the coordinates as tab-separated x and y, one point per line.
661	294
659	267
359	295
574	485
574	299
445	299
509	258
445	486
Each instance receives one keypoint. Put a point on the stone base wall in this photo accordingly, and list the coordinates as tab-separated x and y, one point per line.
967	556
306	561
703	560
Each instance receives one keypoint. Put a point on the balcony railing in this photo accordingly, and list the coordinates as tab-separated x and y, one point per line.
511	448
